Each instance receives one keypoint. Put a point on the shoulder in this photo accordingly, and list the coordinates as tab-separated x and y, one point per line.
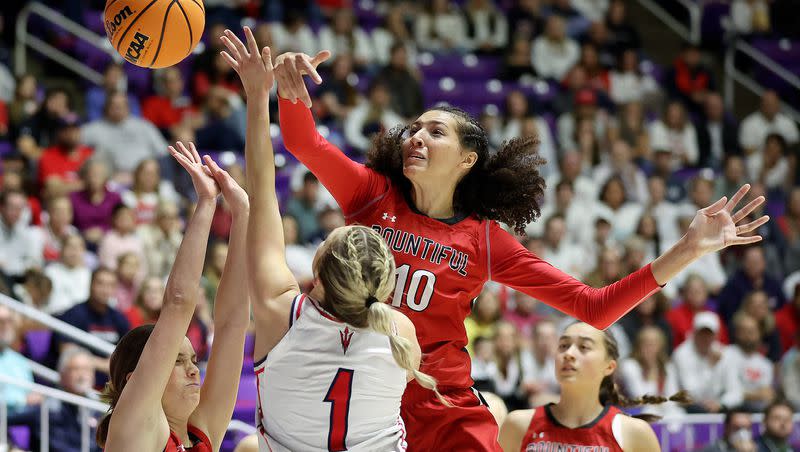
405	327
637	435
515	425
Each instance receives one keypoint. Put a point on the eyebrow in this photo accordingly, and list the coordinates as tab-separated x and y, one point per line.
582	338
432	121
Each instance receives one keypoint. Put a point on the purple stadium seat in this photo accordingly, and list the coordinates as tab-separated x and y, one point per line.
37	344
21	436
93	20
711	20
139	79
92	56
783	51
6	148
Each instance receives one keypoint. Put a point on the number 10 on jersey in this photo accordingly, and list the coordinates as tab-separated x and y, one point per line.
415	301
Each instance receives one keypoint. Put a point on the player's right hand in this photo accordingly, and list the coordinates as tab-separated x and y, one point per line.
204	184
290	67
232	192
253	67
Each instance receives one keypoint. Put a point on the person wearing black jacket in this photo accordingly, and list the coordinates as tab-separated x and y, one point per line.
717	134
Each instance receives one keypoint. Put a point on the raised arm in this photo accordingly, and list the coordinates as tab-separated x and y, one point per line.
138	422
352	184
271	284
231	319
712	229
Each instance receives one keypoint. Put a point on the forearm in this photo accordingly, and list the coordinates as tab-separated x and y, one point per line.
188	265
675	259
231	306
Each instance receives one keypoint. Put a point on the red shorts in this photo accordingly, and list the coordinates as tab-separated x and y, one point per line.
430	426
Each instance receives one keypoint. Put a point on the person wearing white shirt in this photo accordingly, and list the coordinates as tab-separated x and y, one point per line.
704	369
554	53
70	276
754	370
559	252
570	169
514	365
487	28
594	10
750	16
542	386
576	213
294	34
369	117
394	29
441	28
770	167
675	133
768	119
614	205
345	36
621	164
790	375
21	246
628	83
664	211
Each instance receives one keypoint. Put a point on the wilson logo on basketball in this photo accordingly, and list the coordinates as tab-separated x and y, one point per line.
116	21
135	47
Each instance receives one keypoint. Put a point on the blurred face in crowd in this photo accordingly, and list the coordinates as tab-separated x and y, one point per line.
69	137
128	268
117	108
505	340
614	194
26	89
152	294
96	176
11	210
218	256
696	293
103	287
343	21
555	231
399	58
342	67
525	304
651	343
331	219
517	104
487	307
124	221
748	335
77	375
739	425
564	195
57	103
114	79
675	116
380	96
168	218
754	262
555	28
714	108
571	166
778	422
8	327
148	176
734	169
73	252
173	82
657	189
702	192
757	305
647	227
704	338
610	263
620	153
60	212
770	104
545	339
630	62
484	350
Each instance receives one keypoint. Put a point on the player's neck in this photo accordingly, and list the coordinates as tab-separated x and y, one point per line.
575	409
432	200
180	427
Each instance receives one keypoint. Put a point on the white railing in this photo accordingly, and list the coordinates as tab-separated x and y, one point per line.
690	33
674	423
732	74
58	326
25	39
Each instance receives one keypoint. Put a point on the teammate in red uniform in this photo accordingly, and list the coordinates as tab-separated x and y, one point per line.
436	195
157	402
585	418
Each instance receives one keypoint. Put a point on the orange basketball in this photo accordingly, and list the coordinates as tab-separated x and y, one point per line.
154	33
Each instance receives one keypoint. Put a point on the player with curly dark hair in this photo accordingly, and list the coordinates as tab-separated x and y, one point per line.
436	194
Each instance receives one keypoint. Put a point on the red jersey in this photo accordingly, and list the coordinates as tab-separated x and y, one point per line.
200	442
443	265
56	162
546	434
681	319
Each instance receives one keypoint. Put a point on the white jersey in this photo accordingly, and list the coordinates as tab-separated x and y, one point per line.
328	386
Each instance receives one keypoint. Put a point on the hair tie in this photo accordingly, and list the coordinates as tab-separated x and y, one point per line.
370	300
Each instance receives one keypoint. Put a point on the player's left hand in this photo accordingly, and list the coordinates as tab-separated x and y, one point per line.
233	193
716	226
204	184
253	66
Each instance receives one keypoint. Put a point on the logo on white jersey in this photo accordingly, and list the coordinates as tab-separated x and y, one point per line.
345	336
391	218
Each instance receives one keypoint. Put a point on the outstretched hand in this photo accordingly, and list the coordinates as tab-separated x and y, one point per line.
290	67
233	193
204	184
253	66
716	226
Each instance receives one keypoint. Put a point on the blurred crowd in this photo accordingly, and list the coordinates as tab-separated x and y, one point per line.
92	210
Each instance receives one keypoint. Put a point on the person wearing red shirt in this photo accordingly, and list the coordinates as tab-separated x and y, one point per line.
681	317
426	190
169	106
59	165
787	320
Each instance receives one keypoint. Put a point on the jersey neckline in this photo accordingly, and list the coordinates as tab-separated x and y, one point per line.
552	418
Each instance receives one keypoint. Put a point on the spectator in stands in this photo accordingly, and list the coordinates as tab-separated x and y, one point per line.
750	16
717	134
652	312
483	320
664	211
219	74
148	190
36	133
518	122
121	239
13	364
25	102
59	164
299	257
169	106
737	436
70	276
620	163
97	317
147	305
755	305
615	205
771	166
128	280
778	427
303	207
571	170
526	20
597	75
403	83
161	239
21	247
752	276
518	61
689	79
524	315
768	119
220	132
484	368
647	231
787	321
217	253
441	28
542	387
622	35
733	173
393	31
345	37
695	300
121	140
371	116
34	290
753	369
703	368
572	209
487	27
558	250
93	206
790	373
675	133
57	226
788	226
554	53
514	365
114	81
65	421
294	34
649	371
337	95
328	219
627	83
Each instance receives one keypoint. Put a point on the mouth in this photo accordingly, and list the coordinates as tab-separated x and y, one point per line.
416	154
568	369
193	385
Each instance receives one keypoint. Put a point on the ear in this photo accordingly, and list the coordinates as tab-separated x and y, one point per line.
610	368
128	377
469	160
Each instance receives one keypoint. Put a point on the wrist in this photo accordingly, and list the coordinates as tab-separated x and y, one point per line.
689	248
206	201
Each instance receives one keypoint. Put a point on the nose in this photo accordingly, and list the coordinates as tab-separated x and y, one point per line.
193	370
416	139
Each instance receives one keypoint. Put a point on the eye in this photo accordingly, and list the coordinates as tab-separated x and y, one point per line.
563	347
438	132
585	348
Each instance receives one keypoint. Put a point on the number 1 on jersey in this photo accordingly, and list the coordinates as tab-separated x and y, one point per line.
338	396
413	287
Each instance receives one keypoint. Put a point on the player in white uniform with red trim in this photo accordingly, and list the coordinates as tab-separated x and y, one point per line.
332	365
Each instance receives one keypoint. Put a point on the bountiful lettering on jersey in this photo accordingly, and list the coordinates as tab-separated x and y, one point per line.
549	446
424	248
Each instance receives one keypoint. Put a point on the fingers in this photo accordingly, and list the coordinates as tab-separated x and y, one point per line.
737	197
717	206
195	155
220	175
252	46
745	211
231	48
302	91
266	56
745	240
320	57
309	68
186	153
229	59
290	79
752	226
238	43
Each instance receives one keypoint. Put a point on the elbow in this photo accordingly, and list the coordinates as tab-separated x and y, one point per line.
181	297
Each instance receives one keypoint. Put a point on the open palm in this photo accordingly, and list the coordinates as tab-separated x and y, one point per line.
715	227
253	66
204	184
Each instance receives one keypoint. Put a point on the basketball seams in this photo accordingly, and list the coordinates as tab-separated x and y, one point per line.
199	5
189	25
163	28
133	22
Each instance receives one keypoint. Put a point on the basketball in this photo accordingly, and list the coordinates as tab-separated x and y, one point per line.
154	33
